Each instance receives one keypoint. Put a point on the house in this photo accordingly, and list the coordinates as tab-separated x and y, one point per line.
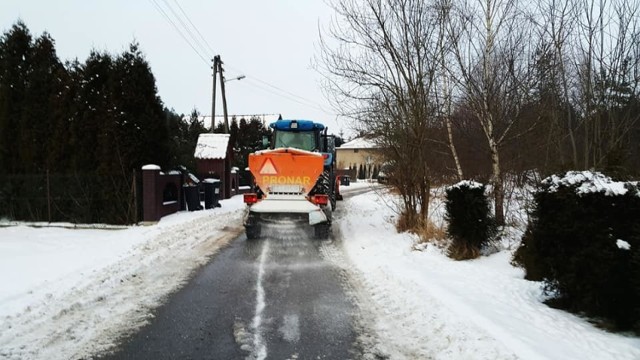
213	155
358	153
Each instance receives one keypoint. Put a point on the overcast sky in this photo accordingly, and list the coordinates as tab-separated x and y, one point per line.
271	42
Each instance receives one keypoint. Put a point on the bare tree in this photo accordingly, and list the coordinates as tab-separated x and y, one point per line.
591	49
556	24
494	74
444	97
608	63
380	58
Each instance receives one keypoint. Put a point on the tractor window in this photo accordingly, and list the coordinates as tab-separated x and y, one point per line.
304	140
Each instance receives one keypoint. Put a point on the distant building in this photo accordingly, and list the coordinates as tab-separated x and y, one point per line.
359	152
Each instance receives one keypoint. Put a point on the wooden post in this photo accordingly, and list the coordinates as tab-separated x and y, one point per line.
135	198
48	196
224	98
216	61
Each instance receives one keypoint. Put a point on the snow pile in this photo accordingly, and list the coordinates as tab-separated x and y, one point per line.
426	305
588	181
68	294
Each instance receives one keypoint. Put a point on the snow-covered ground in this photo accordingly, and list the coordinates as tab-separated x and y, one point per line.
69	293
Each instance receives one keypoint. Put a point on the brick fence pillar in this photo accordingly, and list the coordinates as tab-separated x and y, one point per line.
150	209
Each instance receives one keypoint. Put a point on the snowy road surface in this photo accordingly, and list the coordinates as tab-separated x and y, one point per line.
71	294
274	298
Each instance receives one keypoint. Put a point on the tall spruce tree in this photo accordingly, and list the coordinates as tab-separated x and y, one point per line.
62	150
179	149
42	109
92	133
142	127
15	52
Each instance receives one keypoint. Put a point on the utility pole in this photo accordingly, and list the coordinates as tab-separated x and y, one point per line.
224	96
216	61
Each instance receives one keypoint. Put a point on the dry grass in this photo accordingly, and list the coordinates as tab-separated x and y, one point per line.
427	231
462	251
404	223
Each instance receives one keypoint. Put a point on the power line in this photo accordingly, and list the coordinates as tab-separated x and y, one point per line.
185	27
157	6
195	27
307	101
312	105
279	91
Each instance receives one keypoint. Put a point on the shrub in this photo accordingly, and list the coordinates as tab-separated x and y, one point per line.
471	225
583	241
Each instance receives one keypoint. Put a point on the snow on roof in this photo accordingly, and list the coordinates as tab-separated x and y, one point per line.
587	182
212	146
151	167
359	143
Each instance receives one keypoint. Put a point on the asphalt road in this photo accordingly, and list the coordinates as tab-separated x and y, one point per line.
274	298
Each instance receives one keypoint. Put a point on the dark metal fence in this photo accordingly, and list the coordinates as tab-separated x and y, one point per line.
75	198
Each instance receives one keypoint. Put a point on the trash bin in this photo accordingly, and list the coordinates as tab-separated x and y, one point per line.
345	180
192	197
211	193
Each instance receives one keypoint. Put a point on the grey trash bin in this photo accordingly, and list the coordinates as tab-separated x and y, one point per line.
192	197
211	193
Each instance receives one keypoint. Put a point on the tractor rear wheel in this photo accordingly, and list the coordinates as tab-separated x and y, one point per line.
253	232
325	185
321	231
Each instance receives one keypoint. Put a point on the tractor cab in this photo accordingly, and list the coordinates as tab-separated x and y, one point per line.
304	135
299	134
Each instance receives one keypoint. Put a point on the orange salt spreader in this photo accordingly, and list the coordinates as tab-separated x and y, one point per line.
294	181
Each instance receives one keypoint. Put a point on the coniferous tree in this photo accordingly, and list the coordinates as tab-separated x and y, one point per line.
88	123
178	129
42	99
62	150
141	125
15	51
91	133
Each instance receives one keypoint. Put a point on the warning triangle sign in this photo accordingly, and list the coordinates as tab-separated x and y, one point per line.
268	168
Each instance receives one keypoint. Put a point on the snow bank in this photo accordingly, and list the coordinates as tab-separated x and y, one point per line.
426	305
71	293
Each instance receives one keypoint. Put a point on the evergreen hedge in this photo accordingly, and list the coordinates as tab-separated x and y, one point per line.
76	198
583	241
471	226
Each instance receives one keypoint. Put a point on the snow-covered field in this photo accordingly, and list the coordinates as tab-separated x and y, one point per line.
67	294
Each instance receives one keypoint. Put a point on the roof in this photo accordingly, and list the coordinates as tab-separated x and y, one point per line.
212	146
359	143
